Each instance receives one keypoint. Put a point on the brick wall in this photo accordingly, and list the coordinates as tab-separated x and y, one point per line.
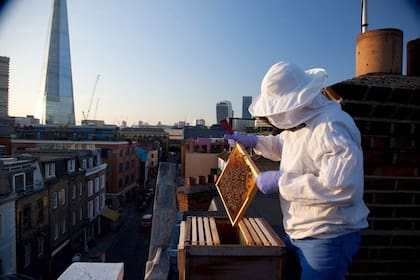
387	112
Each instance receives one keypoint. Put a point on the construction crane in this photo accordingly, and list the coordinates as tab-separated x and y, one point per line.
96	108
86	116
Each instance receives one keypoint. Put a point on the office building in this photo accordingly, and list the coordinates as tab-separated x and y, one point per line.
246	101
200	122
58	103
4	87
223	110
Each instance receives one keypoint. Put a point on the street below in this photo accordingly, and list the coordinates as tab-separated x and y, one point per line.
131	244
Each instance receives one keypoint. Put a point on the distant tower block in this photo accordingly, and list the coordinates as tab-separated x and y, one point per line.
379	51
58	104
246	102
4	87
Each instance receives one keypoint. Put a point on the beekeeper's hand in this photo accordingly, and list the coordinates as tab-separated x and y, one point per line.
248	141
268	181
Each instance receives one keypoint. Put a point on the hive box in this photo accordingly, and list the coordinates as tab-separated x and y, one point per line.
211	248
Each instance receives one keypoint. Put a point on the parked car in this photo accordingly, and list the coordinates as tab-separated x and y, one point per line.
146	221
77	257
142	206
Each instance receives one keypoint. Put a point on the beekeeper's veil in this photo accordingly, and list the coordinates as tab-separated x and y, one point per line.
290	96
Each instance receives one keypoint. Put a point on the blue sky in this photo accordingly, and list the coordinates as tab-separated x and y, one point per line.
173	60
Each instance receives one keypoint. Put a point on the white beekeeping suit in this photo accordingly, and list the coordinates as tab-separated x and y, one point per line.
321	182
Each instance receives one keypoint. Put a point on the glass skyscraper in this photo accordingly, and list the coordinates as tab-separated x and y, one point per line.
246	101
58	103
223	110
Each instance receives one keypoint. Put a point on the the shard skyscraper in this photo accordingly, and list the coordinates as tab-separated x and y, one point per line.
58	103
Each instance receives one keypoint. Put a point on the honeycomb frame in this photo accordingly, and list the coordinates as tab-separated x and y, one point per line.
236	184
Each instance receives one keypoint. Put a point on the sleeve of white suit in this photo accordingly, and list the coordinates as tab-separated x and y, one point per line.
269	147
338	154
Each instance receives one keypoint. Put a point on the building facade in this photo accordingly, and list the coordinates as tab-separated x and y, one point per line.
54	224
7	215
58	103
122	164
32	232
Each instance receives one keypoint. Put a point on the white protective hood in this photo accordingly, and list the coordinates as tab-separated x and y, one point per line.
301	114
286	88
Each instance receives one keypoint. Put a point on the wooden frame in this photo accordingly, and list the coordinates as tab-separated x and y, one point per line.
242	170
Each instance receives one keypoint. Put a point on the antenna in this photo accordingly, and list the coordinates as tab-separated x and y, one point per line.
364	16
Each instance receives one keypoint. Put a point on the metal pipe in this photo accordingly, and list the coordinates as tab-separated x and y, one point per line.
364	16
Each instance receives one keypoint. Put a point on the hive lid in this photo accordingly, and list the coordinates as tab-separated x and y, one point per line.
236	184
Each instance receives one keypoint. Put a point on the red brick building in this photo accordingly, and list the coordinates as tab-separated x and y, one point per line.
386	109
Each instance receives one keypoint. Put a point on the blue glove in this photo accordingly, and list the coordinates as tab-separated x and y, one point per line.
248	141
268	181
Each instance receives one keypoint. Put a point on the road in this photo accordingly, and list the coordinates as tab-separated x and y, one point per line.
131	245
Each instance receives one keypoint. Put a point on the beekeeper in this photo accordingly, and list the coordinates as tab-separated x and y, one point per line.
320	180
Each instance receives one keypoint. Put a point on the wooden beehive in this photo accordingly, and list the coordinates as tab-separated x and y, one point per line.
210	248
236	183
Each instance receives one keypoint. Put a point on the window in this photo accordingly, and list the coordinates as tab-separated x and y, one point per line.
55	200
71	165
120	167
63	196
127	165
90	188
73	191
40	246
90	162
27	254
80	213
73	218
102	201
102	181
80	189
19	182
96	184
55	231
97	205
63	226
90	209
50	170
84	163
40	209
27	217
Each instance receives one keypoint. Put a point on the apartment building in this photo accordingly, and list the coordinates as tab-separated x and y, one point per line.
10	168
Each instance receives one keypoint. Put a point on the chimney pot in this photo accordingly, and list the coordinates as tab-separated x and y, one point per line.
379	51
413	58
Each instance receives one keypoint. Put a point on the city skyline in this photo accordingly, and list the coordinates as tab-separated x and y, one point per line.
167	62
